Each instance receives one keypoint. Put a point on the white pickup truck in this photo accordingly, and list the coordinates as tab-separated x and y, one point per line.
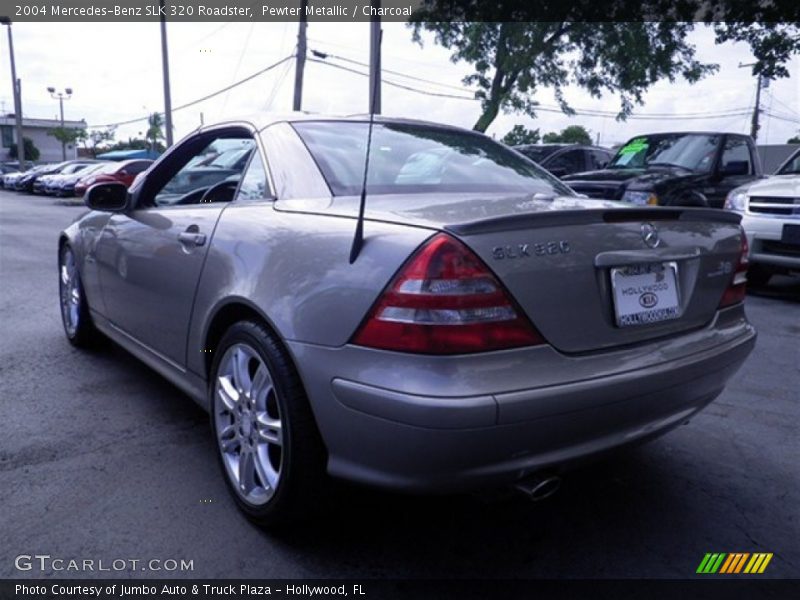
770	210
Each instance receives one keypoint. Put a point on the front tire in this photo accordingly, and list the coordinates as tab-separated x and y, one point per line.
75	315
268	445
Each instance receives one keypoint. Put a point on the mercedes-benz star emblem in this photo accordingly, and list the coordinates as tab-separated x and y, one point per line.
650	235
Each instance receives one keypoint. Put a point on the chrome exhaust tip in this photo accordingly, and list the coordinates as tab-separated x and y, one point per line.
538	486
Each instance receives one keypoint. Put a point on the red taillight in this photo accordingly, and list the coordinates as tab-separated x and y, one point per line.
445	301
737	288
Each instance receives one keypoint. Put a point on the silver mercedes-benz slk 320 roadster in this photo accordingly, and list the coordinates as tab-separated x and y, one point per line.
491	327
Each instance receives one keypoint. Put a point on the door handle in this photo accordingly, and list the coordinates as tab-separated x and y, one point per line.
190	237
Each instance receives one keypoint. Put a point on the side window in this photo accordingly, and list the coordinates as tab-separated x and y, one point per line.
568	162
598	160
209	173
137	167
254	181
736	158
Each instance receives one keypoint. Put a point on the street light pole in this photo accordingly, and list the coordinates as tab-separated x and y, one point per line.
17	96
61	96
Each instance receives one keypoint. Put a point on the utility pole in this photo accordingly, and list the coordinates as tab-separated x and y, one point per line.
754	125
375	62
165	68
300	63
17	85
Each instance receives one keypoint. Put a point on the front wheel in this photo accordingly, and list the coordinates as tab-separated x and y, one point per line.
268	445
74	307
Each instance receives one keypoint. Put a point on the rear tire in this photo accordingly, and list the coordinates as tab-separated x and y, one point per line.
75	315
268	445
758	275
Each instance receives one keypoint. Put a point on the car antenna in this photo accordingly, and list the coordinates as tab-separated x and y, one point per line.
358	238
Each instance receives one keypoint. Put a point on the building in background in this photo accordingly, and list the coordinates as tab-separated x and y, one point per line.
36	129
773	155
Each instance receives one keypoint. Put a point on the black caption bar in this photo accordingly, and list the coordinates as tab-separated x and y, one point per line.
231	589
402	10
211	10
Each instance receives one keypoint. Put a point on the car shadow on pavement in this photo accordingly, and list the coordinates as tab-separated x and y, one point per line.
618	502
780	287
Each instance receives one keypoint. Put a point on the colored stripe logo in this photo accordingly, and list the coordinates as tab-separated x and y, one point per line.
734	563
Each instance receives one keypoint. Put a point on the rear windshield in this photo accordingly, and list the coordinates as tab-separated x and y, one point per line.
537	153
410	158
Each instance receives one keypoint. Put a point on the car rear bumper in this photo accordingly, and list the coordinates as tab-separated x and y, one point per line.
389	421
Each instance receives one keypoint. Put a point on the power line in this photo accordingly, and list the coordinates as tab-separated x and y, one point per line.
392	83
325	55
238	64
553	109
781	118
204	98
544	107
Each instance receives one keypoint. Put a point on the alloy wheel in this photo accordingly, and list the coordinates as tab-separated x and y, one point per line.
248	424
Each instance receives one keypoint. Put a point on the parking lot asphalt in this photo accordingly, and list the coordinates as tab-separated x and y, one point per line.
101	458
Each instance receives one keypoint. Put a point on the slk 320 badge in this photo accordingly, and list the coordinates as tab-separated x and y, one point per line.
528	250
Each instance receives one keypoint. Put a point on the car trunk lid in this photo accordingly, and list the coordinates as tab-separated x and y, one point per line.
596	279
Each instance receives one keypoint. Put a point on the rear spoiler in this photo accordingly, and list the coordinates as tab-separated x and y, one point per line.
591	216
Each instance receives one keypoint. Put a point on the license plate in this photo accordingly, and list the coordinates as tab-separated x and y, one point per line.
645	294
791	234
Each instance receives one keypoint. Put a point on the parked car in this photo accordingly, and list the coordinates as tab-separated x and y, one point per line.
489	328
64	184
40	183
122	172
770	212
674	169
566	159
13	167
27	182
11	181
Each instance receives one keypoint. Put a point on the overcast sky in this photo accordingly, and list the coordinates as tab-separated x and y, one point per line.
115	72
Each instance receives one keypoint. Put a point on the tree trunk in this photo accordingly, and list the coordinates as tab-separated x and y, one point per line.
489	115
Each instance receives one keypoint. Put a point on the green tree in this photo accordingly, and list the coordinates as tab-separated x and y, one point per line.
520	135
29	149
135	144
514	60
155	132
67	135
97	138
514	56
574	134
794	140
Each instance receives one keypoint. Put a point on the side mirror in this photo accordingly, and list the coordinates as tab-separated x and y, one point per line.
110	197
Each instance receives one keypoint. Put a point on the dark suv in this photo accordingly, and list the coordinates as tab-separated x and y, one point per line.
679	169
565	159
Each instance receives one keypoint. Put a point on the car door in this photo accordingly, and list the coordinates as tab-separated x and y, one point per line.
735	168
150	257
